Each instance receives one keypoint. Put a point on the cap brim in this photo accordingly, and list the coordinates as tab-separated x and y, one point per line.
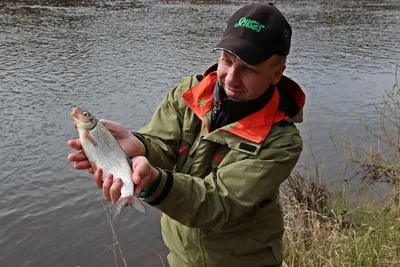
246	51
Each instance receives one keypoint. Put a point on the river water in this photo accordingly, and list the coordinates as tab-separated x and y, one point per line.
117	59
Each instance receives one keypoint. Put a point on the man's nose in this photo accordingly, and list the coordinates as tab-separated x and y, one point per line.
232	76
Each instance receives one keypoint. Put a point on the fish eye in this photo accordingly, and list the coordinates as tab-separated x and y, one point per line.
86	114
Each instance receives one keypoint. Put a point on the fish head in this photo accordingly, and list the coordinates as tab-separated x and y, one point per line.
83	118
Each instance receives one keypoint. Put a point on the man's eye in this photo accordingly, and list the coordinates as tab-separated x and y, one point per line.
226	60
249	69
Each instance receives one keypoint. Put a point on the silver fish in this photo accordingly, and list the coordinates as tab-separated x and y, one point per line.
103	151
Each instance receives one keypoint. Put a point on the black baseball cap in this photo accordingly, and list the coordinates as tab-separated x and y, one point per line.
255	32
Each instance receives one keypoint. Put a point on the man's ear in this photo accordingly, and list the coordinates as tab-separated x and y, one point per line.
278	74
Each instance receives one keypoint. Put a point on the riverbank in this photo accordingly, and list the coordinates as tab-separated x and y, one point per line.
366	235
330	228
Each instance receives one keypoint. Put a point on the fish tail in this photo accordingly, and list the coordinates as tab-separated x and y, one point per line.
135	203
118	206
121	203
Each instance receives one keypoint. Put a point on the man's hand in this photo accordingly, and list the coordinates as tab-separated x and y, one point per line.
129	143
143	176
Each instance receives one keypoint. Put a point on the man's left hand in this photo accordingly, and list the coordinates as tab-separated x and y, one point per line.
144	174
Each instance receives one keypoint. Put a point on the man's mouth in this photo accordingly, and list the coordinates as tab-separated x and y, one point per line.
233	90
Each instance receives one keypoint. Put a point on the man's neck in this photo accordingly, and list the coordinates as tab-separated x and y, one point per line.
226	111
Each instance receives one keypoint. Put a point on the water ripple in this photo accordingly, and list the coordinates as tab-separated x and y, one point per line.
117	59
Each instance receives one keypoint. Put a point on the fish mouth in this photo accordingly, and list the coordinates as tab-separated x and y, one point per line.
75	112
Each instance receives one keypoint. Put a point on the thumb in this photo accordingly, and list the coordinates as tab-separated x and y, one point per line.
112	126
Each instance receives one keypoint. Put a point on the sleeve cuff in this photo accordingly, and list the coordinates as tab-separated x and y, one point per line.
141	139
160	188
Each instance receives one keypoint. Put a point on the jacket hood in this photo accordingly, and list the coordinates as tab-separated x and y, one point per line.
292	99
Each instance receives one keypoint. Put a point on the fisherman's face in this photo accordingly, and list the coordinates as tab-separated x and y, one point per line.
243	82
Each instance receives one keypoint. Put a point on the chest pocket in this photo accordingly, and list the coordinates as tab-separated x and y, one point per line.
200	157
190	137
219	155
203	157
186	155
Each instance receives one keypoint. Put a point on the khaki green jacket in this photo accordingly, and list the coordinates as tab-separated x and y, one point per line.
219	193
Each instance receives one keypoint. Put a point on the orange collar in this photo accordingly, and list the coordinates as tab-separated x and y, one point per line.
254	127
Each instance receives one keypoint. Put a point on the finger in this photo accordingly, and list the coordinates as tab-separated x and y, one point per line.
138	189
98	178
112	126
75	144
90	170
144	182
106	186
116	190
137	167
136	178
75	125
80	156
136	161
82	165
139	162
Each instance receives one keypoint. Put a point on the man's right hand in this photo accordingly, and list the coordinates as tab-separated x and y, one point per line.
132	146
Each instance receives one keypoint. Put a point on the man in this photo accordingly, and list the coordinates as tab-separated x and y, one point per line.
218	147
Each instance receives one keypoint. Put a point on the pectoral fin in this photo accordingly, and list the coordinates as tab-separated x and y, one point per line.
90	139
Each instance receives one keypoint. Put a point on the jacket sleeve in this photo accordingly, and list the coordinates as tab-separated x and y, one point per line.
220	199
162	135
